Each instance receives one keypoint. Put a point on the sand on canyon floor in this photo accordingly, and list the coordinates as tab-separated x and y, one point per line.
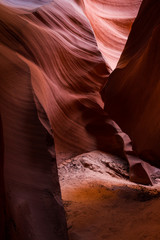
102	204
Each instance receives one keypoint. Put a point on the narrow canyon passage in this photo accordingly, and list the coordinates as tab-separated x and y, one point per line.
70	71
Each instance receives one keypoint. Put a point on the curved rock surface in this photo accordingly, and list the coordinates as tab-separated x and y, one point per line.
50	105
111	22
67	72
132	92
30	193
51	75
102	204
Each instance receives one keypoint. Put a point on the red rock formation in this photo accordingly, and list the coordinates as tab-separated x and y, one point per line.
33	203
111	22
2	192
67	73
51	75
132	92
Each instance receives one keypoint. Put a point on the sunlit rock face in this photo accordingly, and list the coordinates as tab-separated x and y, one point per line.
111	22
132	94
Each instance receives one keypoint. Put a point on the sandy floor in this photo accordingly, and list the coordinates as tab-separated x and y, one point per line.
101	203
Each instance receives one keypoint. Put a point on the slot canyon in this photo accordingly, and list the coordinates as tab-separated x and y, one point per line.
79	120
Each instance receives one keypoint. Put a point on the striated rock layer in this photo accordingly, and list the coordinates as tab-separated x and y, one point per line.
32	193
111	22
51	74
50	107
132	92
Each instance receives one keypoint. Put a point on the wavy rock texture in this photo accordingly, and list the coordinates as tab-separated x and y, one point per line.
132	92
111	22
32	194
51	75
67	85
